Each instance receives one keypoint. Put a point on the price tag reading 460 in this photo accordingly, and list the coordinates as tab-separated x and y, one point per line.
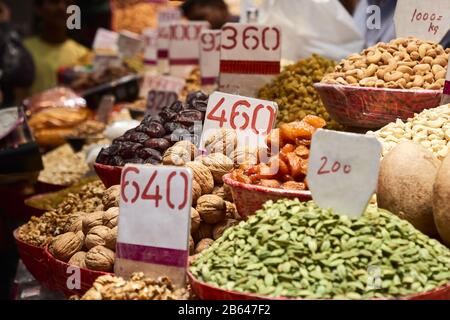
343	170
154	224
252	118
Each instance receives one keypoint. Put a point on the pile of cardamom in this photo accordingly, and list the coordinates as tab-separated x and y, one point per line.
298	250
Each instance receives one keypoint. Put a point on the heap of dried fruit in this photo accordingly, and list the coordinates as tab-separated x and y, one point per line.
147	142
404	63
137	288
298	250
40	230
288	168
62	166
295	94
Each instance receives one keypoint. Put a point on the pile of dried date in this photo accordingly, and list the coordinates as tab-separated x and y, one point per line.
146	143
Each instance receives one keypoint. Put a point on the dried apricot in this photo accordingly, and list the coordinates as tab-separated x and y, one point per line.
315	121
270	183
292	185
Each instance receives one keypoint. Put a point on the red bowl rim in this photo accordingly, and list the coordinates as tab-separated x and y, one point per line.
106	166
195	282
251	187
320	85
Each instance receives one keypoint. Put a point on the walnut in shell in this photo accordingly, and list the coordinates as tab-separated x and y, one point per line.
189	146
78	260
222	141
100	258
196	191
220	228
64	246
203	245
111	239
204	231
191	245
218	164
111	197
74	226
176	156
244	156
223	192
195	221
96	237
232	211
212	209
92	220
111	217
202	176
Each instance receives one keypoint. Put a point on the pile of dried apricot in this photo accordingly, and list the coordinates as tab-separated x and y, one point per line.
287	165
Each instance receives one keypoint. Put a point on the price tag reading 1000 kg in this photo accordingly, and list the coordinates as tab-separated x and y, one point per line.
253	119
343	170
154	224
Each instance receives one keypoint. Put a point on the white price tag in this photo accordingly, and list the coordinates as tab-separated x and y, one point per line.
343	170
157	82
253	119
150	38
129	44
426	20
106	41
165	18
154	224
249	57
209	56
184	51
158	99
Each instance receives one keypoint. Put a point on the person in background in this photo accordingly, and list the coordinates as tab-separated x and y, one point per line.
214	11
16	64
51	48
387	31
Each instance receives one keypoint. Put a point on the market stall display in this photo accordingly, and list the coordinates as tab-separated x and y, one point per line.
294	92
298	250
155	134
134	16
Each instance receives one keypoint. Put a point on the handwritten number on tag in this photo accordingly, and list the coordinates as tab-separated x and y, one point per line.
335	168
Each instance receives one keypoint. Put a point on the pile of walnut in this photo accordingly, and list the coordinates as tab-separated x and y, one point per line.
405	63
137	288
213	210
89	240
40	230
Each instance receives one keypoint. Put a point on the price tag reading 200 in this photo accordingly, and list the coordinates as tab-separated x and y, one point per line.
252	118
154	224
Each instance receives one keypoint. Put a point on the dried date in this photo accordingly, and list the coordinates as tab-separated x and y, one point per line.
159	144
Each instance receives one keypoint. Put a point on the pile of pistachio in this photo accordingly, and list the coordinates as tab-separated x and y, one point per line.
297	250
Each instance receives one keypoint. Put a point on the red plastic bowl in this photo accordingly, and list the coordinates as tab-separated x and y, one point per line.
373	108
208	292
249	198
60	275
110	175
35	259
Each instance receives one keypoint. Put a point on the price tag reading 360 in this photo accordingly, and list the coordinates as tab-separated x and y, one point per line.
154	224
343	170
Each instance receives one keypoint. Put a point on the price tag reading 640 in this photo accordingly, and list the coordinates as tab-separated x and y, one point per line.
154	224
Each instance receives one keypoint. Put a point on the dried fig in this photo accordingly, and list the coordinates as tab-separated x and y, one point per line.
64	246
100	258
111	217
